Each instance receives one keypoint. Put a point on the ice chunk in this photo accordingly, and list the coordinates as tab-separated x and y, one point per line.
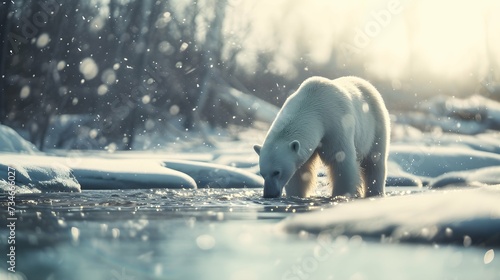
36	174
99	173
439	216
215	175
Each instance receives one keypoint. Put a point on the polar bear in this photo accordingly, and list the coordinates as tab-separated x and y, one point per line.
343	122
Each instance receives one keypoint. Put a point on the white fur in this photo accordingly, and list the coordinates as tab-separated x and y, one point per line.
343	122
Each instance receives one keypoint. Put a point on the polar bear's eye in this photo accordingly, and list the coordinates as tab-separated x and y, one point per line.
276	173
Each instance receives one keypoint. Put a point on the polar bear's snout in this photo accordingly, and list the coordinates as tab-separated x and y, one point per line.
271	189
273	186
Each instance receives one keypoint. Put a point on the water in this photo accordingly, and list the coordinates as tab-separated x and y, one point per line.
206	234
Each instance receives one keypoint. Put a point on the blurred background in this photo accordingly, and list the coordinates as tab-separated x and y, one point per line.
97	74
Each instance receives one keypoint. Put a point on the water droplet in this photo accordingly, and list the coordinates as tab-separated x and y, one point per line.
75	233
61	65
88	68
43	40
205	242
184	46
115	233
174	110
340	156
93	133
25	92
365	107
102	89
104	228
467	241
489	256
108	76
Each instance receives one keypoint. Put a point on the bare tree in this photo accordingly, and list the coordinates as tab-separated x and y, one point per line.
5	24
161	55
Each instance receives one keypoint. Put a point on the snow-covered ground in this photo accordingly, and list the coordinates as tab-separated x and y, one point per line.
11	142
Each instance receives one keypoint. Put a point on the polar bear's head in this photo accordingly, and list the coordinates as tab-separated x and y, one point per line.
278	162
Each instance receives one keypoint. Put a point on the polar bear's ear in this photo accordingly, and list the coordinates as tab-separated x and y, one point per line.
295	145
257	149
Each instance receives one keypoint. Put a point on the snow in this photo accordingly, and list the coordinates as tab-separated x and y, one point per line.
36	174
481	176
12	142
433	161
470	216
216	176
396	176
101	173
472	115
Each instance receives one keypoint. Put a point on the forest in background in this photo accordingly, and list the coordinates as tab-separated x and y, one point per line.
125	67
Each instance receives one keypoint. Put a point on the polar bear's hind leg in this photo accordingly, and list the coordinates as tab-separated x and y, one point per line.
374	173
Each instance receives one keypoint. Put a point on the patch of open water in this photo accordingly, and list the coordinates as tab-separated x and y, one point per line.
206	234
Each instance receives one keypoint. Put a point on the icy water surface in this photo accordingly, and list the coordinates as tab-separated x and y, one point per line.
206	234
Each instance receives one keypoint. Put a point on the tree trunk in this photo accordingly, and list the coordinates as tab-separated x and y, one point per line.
4	34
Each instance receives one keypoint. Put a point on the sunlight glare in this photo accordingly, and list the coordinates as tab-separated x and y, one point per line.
450	44
446	38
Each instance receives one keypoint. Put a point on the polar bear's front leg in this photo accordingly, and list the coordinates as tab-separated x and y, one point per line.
345	174
304	180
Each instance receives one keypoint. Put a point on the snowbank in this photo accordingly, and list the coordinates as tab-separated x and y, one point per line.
472	115
477	177
10	141
470	216
396	177
433	161
36	174
438	159
215	175
101	173
218	169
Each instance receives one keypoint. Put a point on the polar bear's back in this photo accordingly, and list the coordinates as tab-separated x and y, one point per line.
342	94
346	101
345	88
